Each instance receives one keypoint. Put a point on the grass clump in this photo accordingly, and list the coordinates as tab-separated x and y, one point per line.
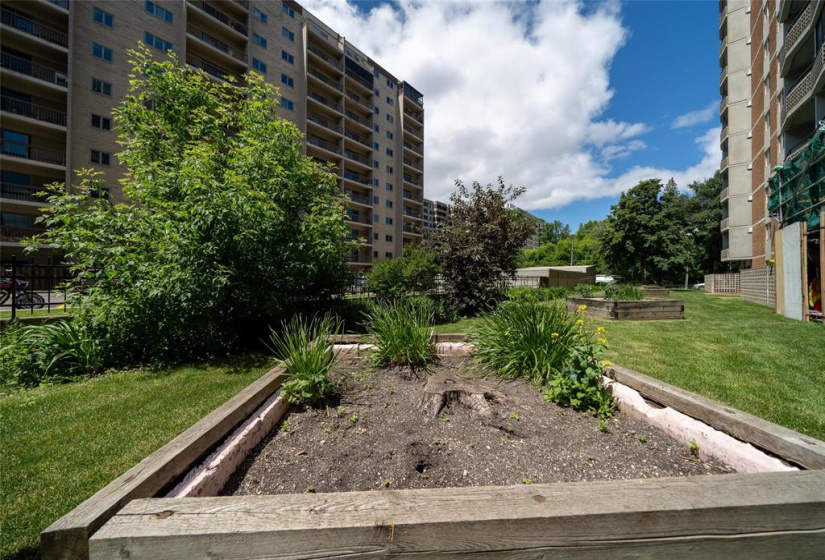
625	292
585	290
303	346
402	334
523	293
550	347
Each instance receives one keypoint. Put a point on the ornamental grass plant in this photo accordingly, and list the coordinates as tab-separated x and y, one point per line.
402	334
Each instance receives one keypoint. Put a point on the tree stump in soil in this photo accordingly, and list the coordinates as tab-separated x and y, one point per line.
445	388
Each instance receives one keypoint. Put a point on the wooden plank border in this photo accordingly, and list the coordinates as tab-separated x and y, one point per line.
68	536
788	444
365	339
761	516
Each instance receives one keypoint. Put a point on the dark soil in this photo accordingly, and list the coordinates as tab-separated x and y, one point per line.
376	436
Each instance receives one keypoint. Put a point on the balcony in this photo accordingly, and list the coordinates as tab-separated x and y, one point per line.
802	91
725	254
411	163
800	145
31	27
411	229
243	4
724	195
412	148
417	133
413	95
724	224
18	234
352	156
215	13
724	134
359	80
211	69
723	75
317	97
36	71
323	78
323	144
364	260
318	52
409	179
33	111
724	163
419	118
414	197
359	219
323	121
359	199
27	151
723	106
798	29
367	123
216	43
360	139
24	193
410	214
60	3
355	177
361	101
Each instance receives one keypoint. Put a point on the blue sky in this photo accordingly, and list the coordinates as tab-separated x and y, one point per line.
577	106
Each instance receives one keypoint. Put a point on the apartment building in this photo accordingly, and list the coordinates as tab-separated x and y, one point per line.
436	215
773	96
65	68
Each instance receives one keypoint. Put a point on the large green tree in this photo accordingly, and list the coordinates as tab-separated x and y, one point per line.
478	251
226	222
553	232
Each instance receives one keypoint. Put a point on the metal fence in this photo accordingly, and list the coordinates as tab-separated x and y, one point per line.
33	289
358	285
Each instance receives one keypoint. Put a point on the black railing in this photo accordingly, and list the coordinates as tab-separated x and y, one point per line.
213	41
220	16
29	289
32	110
323	144
27	151
325	122
37	71
31	27
15	191
325	79
324	101
325	57
360	120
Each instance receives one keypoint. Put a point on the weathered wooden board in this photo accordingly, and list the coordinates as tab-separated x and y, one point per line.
792	446
631	310
774	515
68	536
363	338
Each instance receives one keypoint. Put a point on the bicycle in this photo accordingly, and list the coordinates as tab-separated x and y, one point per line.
22	298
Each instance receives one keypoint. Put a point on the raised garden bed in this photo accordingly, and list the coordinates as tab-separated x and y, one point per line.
656	291
769	515
646	309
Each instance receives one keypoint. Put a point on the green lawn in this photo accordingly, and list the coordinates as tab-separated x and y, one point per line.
61	444
731	351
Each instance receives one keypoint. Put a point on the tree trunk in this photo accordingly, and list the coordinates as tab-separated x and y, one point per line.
445	388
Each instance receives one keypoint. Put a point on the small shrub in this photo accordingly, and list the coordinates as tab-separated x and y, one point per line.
414	273
626	292
402	334
559	292
585	290
522	293
437	307
303	346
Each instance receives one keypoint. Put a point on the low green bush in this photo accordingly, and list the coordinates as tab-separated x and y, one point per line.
523	293
303	346
585	290
626	292
55	351
548	346
414	273
436	306
402	334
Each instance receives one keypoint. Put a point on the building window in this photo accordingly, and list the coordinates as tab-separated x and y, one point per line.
768	158
377	111
389	151
389	169
389	101
287	81
15	143
259	66
375	164
389	135
388	221
258	40
288	34
390	84
157	42
376	128
389	117
377	74
376	200
375	182
158	12
389	186
102	158
388	238
104	18
375	236
375	217
104	193
388	254
289	12
99	86
259	15
290	59
376	146
101	52
377	93
102	123
287	104
388	203
375	254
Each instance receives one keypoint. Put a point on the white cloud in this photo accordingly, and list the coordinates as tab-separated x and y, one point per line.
693	118
513	89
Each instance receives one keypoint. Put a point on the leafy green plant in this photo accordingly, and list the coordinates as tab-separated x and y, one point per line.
402	334
627	292
436	306
302	345
414	273
585	290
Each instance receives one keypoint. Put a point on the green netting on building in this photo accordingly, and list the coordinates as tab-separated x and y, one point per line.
797	188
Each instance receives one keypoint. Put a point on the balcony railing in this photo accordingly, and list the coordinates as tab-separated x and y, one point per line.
15	191
803	87
414	115
723	134
325	122
359	198
411	214
60	3
408	178
31	27
37	71
356	157
350	176
324	101
796	31
220	16
360	120
359	259
317	51
326	79
413	131
32	111
725	254
359	219
8	233
315	141
724	224
410	228
724	163
243	3
210	40
724	194
723	105
359	79
409	146
357	138
359	100
27	151
416	197
208	67
411	163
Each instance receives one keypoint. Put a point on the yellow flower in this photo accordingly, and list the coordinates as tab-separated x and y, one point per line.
579	322
602	341
606	363
582	308
554	335
600	330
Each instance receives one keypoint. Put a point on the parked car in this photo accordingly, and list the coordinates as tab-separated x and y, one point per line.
699	286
